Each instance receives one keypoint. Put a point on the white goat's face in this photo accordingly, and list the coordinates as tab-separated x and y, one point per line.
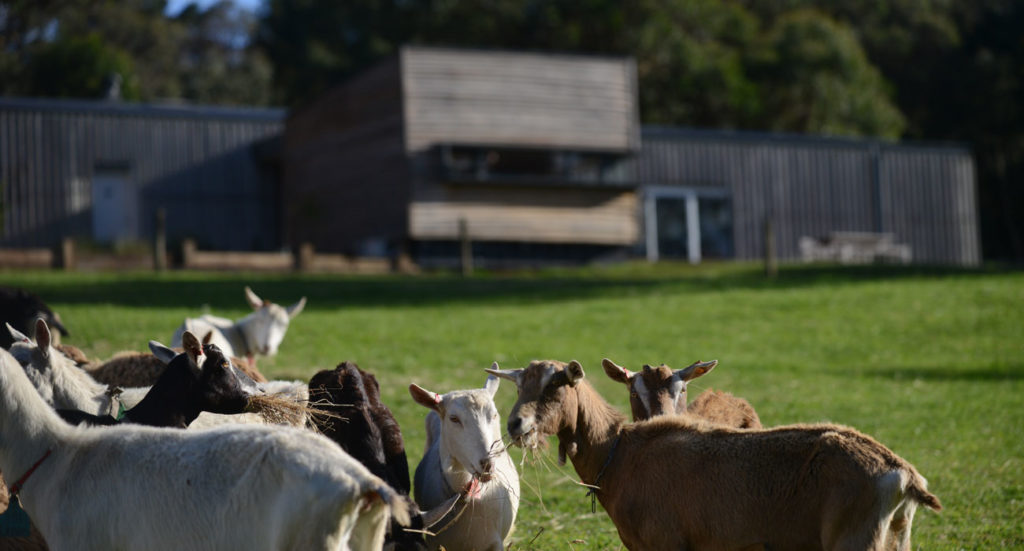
266	326
33	355
266	329
470	426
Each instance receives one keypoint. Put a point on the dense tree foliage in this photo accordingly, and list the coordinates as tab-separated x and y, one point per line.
80	48
941	70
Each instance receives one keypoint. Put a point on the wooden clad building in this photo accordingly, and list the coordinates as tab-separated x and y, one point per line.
541	158
526	150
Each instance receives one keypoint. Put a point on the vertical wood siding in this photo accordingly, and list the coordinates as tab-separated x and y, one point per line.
346	172
811	186
197	163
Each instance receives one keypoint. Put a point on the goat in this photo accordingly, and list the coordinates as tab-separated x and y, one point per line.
660	391
60	382
261	332
21	309
184	391
677	482
136	369
369	433
464	454
253	487
66	386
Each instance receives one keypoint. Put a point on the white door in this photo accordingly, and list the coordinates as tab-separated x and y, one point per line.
115	209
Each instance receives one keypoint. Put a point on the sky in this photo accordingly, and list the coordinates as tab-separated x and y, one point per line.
174	7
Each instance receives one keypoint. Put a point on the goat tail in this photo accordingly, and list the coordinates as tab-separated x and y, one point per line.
917	490
399	506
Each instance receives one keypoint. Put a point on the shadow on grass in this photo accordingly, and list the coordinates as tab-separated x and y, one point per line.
224	290
950	373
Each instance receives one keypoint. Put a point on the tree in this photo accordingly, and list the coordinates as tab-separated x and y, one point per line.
218	63
81	67
816	78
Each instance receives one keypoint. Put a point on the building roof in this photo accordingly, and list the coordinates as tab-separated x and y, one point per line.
159	110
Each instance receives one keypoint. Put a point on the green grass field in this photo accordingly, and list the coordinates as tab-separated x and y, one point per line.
930	362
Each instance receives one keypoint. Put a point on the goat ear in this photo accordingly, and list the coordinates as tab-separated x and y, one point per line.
616	372
192	347
43	337
425	398
255	301
17	335
208	337
694	370
161	352
491	385
510	374
294	309
574	372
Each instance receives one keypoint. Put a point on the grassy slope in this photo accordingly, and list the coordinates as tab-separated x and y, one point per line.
930	363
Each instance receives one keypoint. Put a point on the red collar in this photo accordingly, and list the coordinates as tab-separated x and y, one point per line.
16	487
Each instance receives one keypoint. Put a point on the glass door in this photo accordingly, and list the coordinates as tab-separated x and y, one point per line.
690	223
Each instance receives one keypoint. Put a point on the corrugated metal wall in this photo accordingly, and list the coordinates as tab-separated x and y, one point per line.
811	186
199	163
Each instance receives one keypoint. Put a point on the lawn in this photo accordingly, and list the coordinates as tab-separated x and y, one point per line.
930	362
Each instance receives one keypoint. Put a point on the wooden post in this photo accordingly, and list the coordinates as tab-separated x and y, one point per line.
160	241
67	254
188	252
771	261
305	258
467	248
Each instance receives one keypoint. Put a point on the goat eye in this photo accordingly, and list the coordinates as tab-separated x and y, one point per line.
632	394
224	365
455	420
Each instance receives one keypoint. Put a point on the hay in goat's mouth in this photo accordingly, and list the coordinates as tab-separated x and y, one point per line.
283	409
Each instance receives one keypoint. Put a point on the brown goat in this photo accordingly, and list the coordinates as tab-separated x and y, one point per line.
662	390
676	482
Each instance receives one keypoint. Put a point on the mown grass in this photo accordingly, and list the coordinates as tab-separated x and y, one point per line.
930	362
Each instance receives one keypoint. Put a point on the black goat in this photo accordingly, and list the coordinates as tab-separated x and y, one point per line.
21	309
368	432
184	390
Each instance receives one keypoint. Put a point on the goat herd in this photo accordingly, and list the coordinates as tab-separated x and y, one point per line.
96	454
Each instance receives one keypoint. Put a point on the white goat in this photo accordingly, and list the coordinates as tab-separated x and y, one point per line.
261	332
64	385
245	487
464	453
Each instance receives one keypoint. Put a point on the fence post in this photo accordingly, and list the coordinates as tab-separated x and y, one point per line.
67	254
160	241
188	252
771	261
467	248
305	258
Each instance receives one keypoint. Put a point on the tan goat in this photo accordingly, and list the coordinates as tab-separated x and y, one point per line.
661	390
676	482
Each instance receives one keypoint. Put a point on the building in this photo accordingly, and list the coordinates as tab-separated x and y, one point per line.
534	158
542	158
527	150
709	193
98	171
